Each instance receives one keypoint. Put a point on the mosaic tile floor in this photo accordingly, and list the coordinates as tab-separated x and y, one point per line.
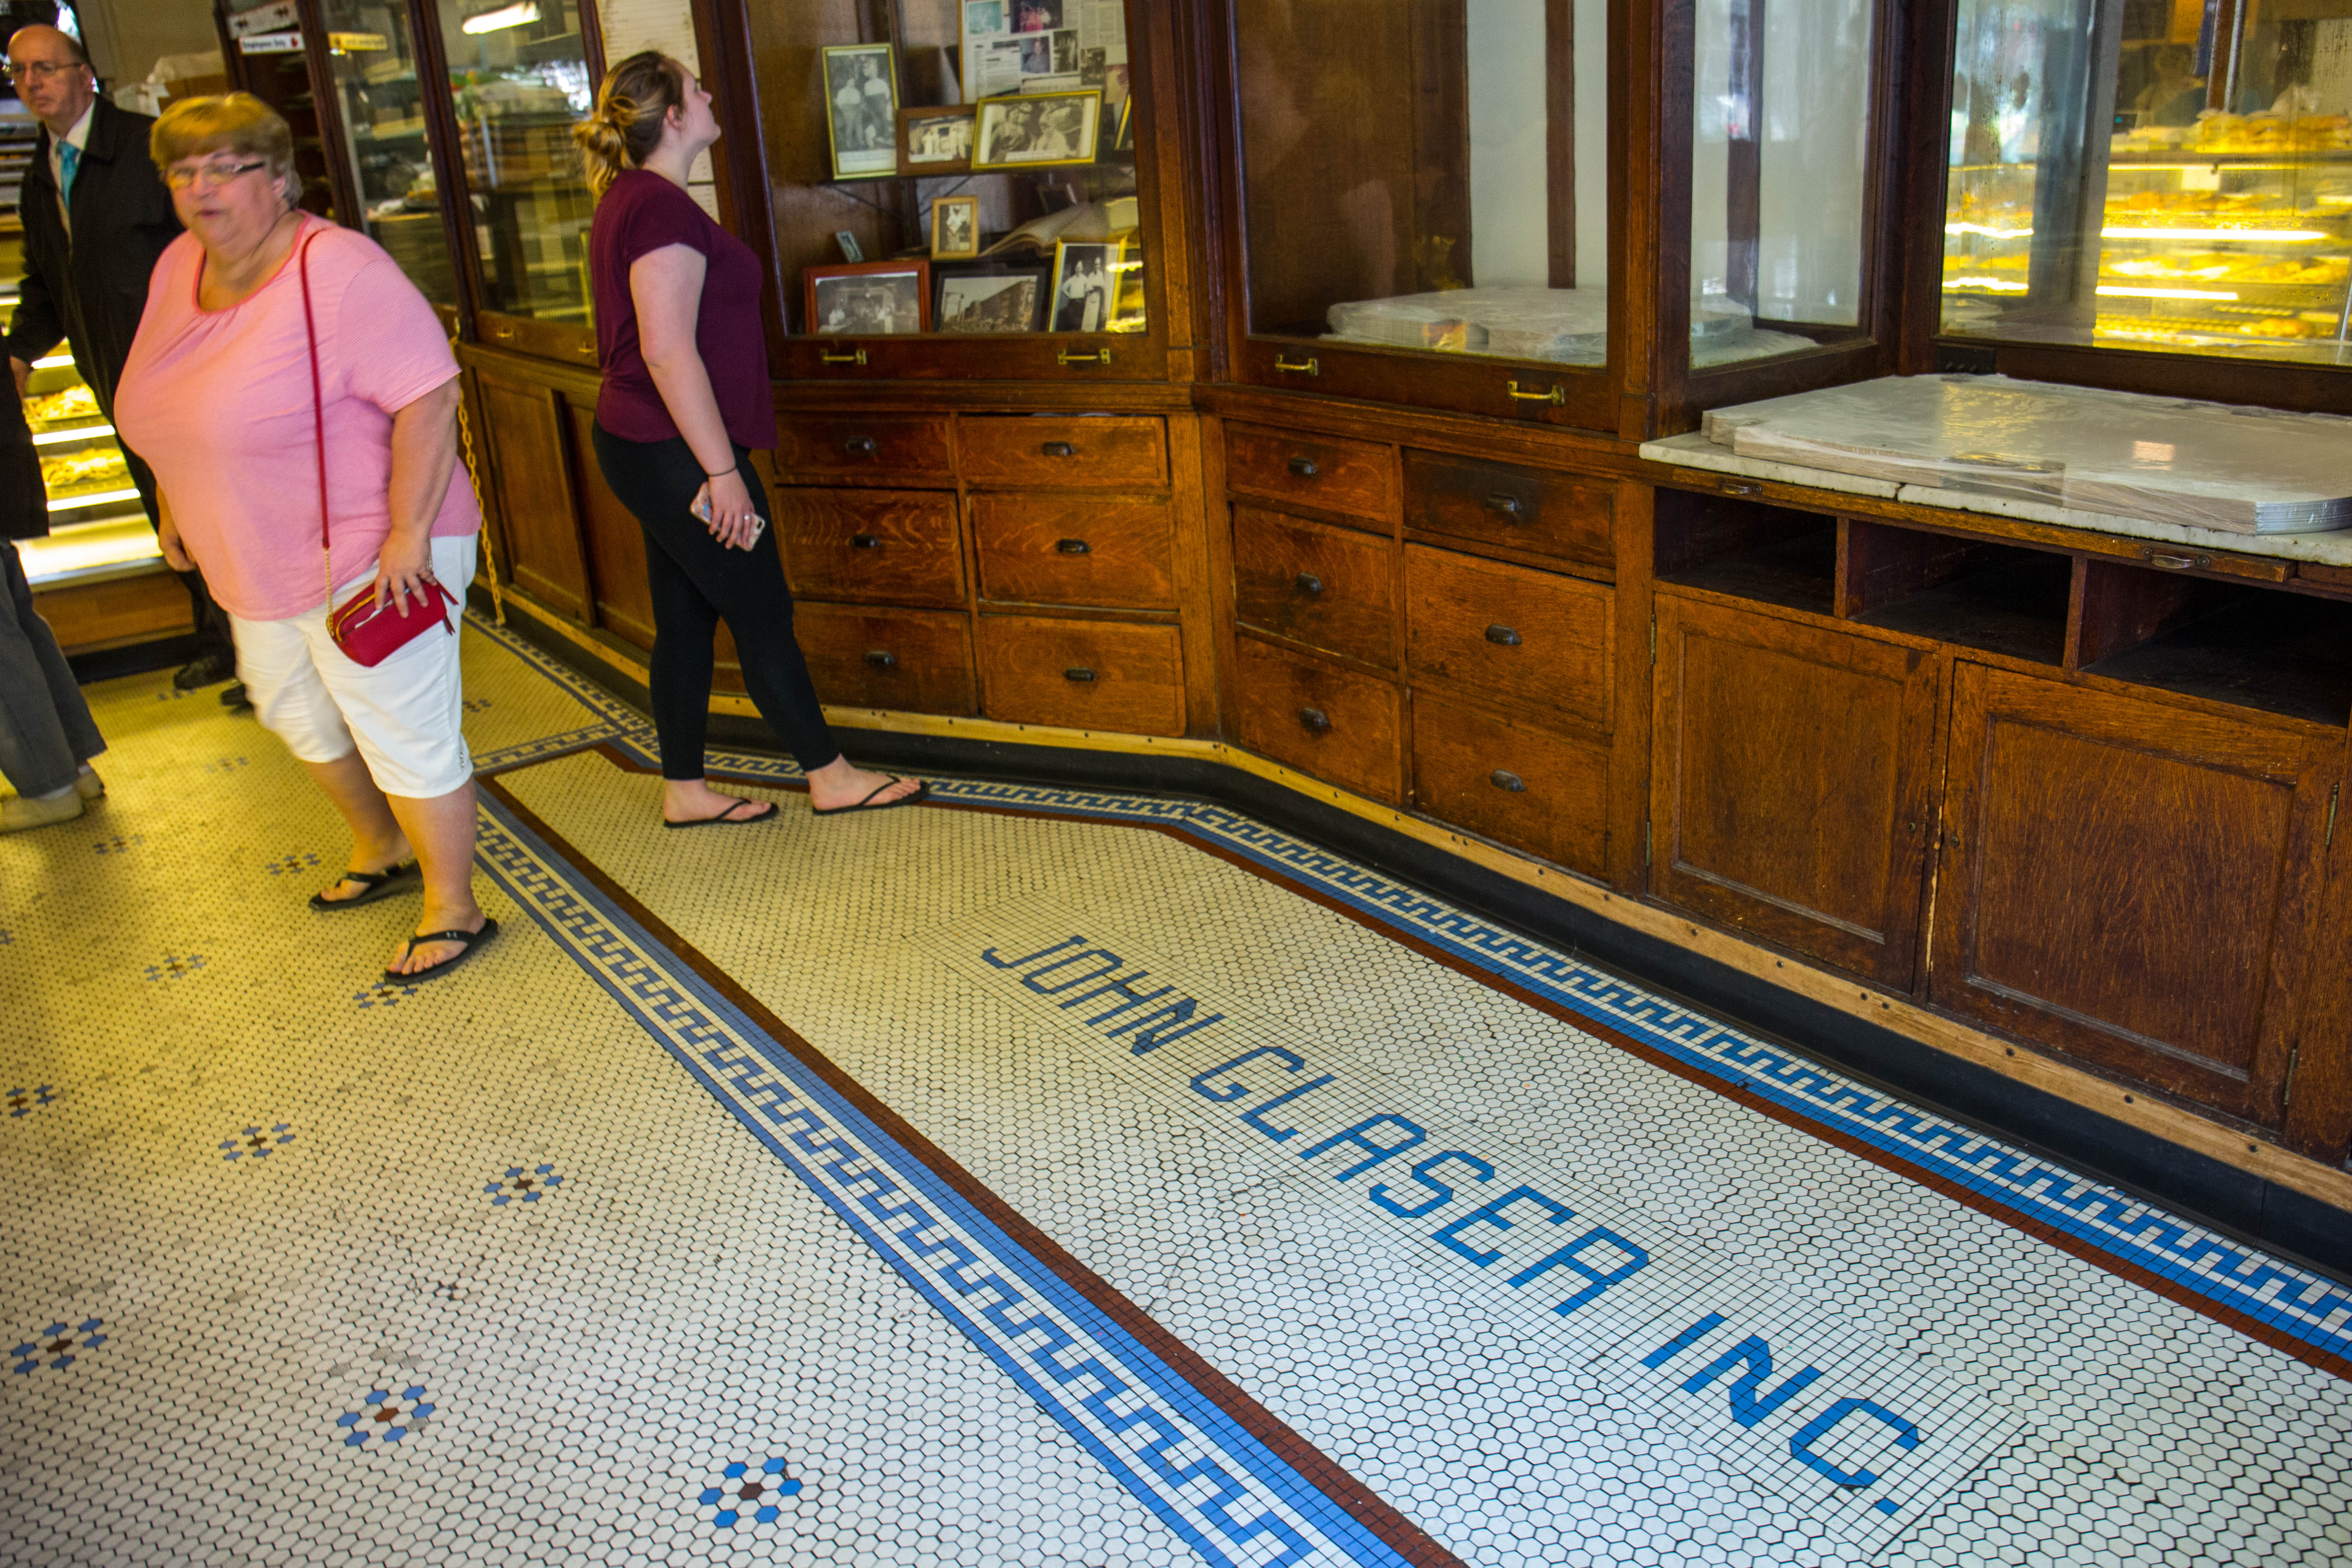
1064	1179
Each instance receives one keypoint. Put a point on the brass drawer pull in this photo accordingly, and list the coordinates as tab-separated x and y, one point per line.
1073	547
1304	467
827	357
1740	487
1510	782
864	541
1310	366
1315	720
1507	505
1309	583
1557	394
860	446
1078	673
2170	562
1502	636
882	661
1059	449
1095	357
503	334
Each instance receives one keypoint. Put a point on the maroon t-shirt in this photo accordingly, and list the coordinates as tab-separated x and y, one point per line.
639	213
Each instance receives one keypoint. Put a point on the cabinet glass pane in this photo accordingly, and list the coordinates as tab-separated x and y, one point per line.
1781	144
519	71
875	118
1427	174
373	61
2171	174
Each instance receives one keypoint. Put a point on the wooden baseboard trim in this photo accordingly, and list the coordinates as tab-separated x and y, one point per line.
1887	1010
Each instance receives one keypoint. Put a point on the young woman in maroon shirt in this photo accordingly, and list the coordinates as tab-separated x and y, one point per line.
683	405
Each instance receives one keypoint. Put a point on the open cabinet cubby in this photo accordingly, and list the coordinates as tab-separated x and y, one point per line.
2255	647
1748	550
1997	598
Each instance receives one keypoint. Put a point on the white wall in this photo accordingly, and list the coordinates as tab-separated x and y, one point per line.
1510	188
125	37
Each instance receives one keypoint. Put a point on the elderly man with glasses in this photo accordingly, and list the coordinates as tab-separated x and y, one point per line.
96	218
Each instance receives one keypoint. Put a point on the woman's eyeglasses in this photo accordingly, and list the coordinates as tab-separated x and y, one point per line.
216	171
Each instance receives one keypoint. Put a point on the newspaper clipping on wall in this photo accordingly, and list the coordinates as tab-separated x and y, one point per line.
1041	45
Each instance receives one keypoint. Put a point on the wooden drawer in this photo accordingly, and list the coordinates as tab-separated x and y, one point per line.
891	448
1542	792
1322	471
1083	675
1336	724
1064	454
1331	587
1046	550
912	661
1525	635
880	547
1525	509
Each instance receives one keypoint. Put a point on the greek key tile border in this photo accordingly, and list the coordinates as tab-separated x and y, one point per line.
1218	1487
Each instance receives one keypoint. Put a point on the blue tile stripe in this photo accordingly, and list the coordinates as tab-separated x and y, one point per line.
1225	1492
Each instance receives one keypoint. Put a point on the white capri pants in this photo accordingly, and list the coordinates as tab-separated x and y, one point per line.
406	716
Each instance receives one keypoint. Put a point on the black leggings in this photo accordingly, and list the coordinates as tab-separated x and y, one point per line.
695	582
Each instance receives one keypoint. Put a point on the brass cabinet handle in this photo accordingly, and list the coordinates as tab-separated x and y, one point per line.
882	661
1557	394
1095	357
1502	636
827	357
1080	672
1072	546
1310	366
1304	467
1059	449
1309	583
860	446
502	333
1507	505
2178	562
1740	487
1510	782
1315	720
864	541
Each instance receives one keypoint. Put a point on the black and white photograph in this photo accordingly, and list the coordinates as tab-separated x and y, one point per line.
1037	128
1082	286
861	110
955	228
935	141
1050	53
874	298
1007	302
1037	16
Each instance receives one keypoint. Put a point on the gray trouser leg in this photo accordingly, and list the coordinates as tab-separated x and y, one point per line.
46	730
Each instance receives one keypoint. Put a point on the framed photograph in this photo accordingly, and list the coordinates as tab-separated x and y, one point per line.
955	228
869	299
1037	130
935	141
1005	300
1051	53
1084	271
861	110
1123	140
1035	15
1128	310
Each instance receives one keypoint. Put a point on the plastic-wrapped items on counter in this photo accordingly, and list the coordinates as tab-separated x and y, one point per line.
1568	326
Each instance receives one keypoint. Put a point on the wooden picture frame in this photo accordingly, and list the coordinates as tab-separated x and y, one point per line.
868	298
1085	274
955	228
935	139
1037	131
991	299
860	132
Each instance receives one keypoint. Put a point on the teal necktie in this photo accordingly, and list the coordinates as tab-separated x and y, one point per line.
68	156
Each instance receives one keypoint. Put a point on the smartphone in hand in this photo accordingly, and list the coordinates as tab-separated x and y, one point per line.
701	510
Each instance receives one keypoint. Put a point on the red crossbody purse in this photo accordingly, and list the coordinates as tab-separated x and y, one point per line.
368	634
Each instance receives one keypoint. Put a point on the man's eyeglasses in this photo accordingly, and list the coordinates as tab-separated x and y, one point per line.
215	171
39	70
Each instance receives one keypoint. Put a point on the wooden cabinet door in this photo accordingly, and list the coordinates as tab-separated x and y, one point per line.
2131	881
1791	782
525	435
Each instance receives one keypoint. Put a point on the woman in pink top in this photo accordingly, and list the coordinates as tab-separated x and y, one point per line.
217	397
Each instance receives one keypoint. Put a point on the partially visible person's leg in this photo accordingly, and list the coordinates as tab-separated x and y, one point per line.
215	655
46	730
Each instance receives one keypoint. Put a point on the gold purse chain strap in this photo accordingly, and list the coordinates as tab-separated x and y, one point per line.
489	550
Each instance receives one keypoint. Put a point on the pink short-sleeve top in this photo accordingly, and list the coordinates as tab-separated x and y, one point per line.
219	403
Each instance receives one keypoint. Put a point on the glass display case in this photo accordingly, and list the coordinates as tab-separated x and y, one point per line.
271	60
388	156
957	187
1425	184
2134	175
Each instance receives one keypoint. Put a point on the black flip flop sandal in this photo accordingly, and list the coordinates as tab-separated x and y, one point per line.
728	819
375	884
472	940
921	792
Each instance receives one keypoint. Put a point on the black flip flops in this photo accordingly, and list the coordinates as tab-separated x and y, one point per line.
374	884
728	819
920	793
470	940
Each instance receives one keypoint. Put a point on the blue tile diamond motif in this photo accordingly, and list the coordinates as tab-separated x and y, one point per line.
118	845
385	1415
57	1346
524	1186
175	966
748	1493
382	994
287	865
226	764
24	1101
258	1143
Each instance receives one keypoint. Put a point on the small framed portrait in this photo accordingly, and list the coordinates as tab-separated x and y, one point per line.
861	110
955	228
1037	130
1084	275
869	299
1035	15
1003	300
935	141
